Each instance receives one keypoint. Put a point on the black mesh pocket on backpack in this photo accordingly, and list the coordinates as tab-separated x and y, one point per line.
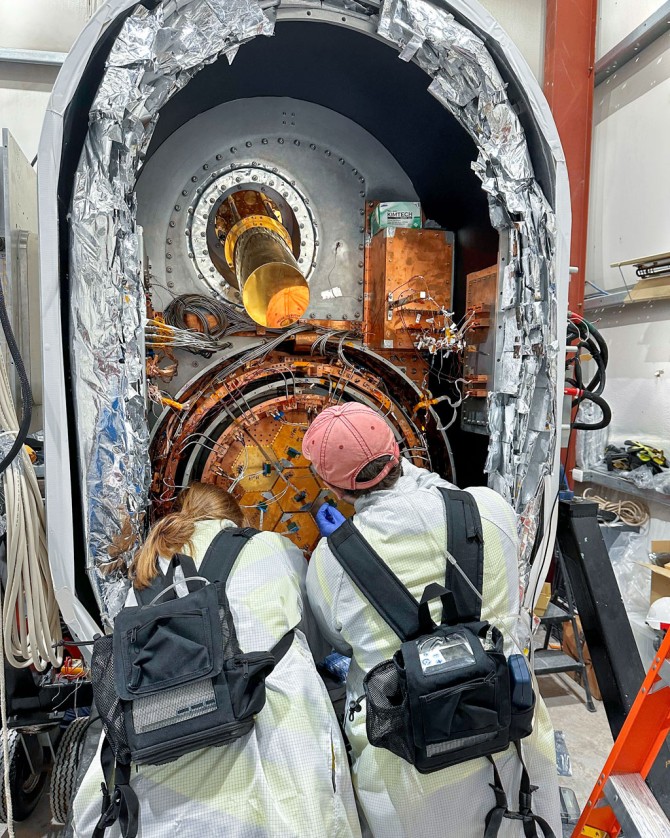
387	710
106	698
231	647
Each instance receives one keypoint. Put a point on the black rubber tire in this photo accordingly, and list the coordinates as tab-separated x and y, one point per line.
26	786
64	772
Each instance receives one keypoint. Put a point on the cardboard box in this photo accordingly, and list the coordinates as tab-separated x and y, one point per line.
395	214
543	600
660	576
657	288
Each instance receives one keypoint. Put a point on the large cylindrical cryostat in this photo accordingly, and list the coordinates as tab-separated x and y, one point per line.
259	250
265	206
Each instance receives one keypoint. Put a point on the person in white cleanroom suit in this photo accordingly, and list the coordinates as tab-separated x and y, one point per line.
289	777
400	512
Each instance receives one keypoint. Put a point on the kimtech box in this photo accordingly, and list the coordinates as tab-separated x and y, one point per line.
395	214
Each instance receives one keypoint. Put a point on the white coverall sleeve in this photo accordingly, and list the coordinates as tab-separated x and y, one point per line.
318	645
324	577
424	478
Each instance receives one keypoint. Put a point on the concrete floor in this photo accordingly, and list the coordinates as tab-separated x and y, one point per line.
587	736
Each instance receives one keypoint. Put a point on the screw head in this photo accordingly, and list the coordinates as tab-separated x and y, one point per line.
173	224
280	140
219	156
264	141
194	179
357	315
177	207
169	270
205	166
168	241
170	283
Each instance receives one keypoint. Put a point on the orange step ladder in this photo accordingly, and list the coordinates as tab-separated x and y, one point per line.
621	801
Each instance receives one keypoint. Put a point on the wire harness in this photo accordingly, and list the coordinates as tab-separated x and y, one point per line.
586	338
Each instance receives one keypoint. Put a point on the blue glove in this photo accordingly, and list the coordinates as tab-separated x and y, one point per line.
328	519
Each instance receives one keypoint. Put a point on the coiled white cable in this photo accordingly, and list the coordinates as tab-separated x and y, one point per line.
6	779
627	511
30	617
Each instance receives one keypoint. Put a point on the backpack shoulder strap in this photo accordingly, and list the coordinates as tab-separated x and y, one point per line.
162	581
376	581
465	542
223	551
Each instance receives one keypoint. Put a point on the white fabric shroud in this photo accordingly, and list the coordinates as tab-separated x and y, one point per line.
289	777
406	526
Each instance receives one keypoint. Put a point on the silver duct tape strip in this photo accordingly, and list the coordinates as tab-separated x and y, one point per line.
467	82
154	56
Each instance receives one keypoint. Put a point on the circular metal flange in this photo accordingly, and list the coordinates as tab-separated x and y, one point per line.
246	176
337	164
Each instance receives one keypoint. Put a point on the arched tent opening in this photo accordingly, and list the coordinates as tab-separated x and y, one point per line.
170	89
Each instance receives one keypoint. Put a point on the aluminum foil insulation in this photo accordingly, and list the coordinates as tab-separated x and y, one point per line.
154	56
156	53
522	409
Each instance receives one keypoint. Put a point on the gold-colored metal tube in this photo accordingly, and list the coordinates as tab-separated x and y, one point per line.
274	291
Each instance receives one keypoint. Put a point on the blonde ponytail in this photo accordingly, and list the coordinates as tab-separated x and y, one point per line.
173	534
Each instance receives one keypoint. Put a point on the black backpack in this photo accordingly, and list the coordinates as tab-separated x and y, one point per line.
449	694
172	679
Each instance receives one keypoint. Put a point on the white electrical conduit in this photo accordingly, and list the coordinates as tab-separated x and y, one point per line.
30	617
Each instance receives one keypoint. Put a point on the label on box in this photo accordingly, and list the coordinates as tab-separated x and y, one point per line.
391	214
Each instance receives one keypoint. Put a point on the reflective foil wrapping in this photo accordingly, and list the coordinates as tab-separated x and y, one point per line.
155	55
522	410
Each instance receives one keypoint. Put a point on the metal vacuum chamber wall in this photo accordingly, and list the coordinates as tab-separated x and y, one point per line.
457	123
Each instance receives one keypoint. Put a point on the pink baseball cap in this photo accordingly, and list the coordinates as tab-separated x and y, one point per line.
345	438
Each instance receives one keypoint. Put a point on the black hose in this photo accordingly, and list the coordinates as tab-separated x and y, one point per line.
26	392
602	404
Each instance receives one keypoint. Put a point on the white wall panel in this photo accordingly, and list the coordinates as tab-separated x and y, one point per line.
629	213
618	18
50	25
638	375
524	22
22	111
629	217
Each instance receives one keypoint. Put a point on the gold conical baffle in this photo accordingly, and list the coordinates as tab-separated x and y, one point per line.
274	291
